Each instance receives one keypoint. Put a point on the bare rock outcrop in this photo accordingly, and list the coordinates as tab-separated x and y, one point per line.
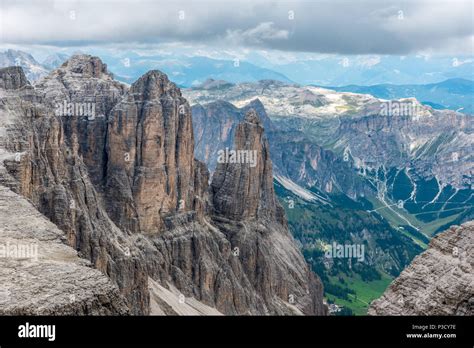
13	78
247	210
242	186
82	93
40	162
440	281
40	274
150	168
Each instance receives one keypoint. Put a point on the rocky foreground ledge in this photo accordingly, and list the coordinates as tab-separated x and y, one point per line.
40	274
440	281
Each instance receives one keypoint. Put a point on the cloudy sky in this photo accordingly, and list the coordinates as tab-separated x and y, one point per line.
324	27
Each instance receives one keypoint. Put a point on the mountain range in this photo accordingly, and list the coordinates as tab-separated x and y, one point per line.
185	70
375	70
383	77
455	94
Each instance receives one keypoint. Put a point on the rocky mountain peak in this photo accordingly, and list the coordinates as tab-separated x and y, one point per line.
243	181
257	105
13	78
32	69
86	65
153	85
150	152
246	209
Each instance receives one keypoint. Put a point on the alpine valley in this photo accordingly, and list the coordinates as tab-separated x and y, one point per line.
350	169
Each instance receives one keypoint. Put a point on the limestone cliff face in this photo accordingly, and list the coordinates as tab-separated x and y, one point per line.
83	81
438	282
50	279
150	155
13	78
247	210
215	125
124	187
40	275
417	142
245	190
44	163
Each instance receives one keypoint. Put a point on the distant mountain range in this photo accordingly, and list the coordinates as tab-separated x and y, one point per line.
369	75
454	94
33	70
364	70
188	71
185	71
54	60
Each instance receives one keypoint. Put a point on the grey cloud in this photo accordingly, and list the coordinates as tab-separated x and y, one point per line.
337	26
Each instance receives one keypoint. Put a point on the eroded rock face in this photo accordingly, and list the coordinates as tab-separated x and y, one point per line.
414	141
41	163
250	216
150	155
129	196
440	281
215	125
82	93
89	67
294	156
244	190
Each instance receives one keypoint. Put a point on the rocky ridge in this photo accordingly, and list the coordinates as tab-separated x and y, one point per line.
409	134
